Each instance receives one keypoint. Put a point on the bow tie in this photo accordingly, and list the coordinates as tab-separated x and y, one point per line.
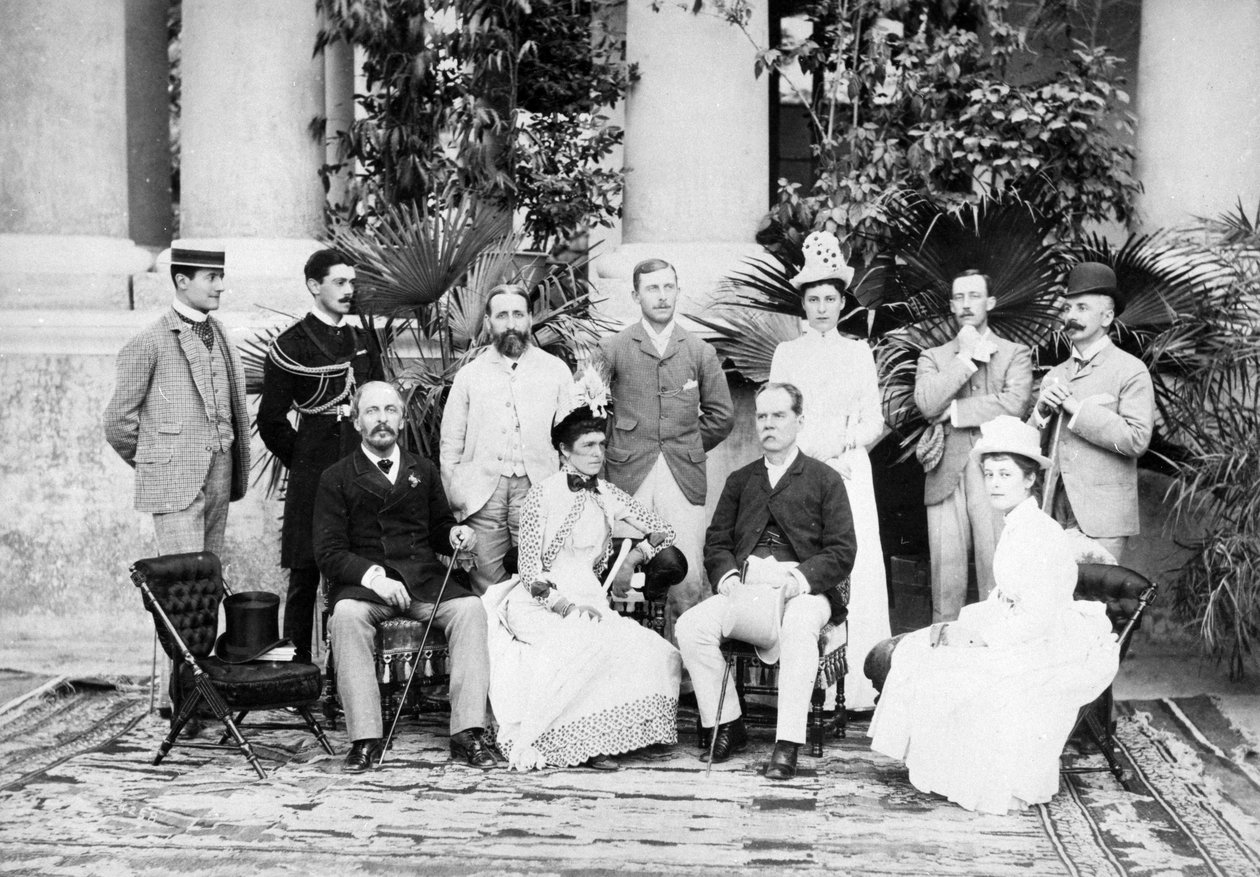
201	329
578	483
385	465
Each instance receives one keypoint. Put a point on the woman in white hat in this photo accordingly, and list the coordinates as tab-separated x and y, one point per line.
843	419
980	709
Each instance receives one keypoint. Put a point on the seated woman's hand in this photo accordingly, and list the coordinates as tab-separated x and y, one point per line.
621	584
589	611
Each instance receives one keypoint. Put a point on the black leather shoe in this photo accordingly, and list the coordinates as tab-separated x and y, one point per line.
467	746
703	735
782	765
363	755
731	738
602	762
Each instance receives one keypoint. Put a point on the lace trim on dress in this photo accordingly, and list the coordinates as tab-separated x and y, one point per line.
623	728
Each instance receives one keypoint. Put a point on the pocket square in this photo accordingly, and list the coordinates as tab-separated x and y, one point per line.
691	384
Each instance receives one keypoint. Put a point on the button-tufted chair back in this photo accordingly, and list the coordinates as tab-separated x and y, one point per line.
189	588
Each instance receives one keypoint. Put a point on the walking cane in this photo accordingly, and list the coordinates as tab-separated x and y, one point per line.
1052	472
424	638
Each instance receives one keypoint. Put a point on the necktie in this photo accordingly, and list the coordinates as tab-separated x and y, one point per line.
578	483
385	465
201	329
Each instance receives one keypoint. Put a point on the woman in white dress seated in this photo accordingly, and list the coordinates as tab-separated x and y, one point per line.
571	681
844	418
979	709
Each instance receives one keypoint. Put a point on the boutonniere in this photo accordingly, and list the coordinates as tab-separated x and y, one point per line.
413	480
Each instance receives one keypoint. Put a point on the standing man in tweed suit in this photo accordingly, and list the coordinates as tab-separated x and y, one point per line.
961	384
312	368
178	414
1096	411
671	406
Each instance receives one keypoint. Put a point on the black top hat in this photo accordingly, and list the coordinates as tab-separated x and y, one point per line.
253	626
1094	278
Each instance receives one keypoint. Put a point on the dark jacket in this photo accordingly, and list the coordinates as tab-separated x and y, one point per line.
361	521
318	441
678	405
810	505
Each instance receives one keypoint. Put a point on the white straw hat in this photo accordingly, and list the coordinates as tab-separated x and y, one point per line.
823	261
1010	435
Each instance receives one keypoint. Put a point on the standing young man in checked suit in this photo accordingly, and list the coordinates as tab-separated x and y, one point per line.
671	406
312	368
961	384
178	414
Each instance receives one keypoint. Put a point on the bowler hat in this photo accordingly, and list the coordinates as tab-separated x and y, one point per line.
1094	278
253	626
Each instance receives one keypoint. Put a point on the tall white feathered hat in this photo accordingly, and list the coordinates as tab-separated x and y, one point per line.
823	261
592	400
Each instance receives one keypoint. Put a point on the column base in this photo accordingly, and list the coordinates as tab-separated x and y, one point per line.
700	266
68	271
261	273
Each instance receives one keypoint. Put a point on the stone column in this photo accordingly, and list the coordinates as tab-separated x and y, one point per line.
149	123
696	148
1198	108
63	167
249	163
339	106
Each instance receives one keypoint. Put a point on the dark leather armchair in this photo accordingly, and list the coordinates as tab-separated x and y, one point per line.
182	592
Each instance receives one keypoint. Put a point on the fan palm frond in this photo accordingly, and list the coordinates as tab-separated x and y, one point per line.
266	469
414	255
748	339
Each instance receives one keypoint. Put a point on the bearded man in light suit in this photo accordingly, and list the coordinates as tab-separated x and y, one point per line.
496	430
672	406
961	384
1097	412
178	414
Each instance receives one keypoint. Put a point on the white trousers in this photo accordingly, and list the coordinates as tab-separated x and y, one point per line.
660	493
700	634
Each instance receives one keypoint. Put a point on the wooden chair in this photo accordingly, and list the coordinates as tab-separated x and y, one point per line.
183	592
754	676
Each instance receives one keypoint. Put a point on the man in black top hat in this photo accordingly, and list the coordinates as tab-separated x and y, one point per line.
312	369
1097	409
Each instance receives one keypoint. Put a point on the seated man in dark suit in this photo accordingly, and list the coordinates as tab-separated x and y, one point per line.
794	509
380	519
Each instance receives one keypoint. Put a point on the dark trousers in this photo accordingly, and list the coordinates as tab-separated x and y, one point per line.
299	609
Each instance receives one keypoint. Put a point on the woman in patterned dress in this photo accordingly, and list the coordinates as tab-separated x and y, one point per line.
571	681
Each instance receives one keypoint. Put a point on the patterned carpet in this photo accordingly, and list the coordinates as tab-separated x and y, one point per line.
78	795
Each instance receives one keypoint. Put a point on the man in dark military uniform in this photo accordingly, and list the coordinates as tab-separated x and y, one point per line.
313	368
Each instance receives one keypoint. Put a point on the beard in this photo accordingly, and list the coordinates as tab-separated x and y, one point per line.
511	343
383	439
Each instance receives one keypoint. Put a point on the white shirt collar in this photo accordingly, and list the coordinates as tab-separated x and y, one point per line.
1090	352
661	338
775	472
191	313
326	319
394	455
831	334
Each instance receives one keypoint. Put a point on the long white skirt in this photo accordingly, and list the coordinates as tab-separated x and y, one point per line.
868	583
566	689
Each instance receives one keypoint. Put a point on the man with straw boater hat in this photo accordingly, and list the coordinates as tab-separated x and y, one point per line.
778	553
1097	411
969	380
178	414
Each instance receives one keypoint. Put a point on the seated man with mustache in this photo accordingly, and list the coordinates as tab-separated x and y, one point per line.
312	368
381	518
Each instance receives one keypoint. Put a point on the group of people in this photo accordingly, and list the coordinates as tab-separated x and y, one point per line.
534	463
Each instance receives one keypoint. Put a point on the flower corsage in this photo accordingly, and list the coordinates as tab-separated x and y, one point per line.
544	591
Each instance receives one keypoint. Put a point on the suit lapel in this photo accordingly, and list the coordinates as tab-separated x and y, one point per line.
675	341
406	481
193	348
639	334
792	472
368	477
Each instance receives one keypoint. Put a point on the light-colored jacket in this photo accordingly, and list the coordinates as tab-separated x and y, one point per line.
678	405
161	417
1003	385
1098	449
477	422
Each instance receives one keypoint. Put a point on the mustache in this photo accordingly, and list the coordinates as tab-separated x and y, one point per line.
1072	324
385	428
